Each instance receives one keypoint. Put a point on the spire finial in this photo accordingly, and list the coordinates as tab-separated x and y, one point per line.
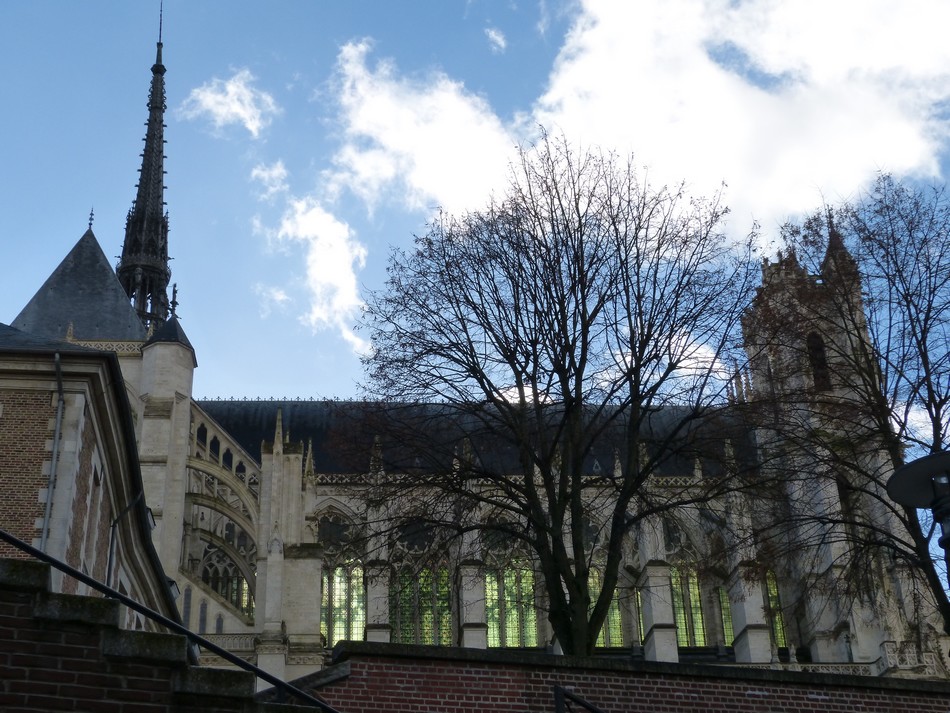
174	302
92	215
161	10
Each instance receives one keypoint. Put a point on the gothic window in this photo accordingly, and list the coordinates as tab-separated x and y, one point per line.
420	606
774	611
510	607
227	459
202	434
219	624
687	607
611	632
203	617
819	362
343	603
214	447
725	616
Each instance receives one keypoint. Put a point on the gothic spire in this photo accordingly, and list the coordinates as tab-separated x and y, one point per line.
143	268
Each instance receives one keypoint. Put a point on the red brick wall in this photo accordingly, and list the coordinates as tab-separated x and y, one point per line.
59	665
24	430
395	684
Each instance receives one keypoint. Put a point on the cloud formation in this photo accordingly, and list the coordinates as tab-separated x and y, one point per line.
496	40
333	257
231	101
273	179
423	143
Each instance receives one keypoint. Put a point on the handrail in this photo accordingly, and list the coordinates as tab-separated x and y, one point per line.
192	637
562	697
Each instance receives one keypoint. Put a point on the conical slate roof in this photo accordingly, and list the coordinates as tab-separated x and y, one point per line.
84	292
172	332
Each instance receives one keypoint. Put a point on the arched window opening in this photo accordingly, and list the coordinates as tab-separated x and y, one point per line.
819	362
240	471
219	624
687	607
509	606
420	606
343	603
774	611
227	459
186	607
203	617
202	434
215	446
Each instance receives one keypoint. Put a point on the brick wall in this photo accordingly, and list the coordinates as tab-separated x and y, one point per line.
379	677
24	429
61	652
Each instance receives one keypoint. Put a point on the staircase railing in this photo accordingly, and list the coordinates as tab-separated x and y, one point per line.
193	638
563	700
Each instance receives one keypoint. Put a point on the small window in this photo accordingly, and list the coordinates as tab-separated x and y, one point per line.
776	619
819	362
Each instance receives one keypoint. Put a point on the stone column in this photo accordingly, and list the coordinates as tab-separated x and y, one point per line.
472	611
753	641
659	626
378	627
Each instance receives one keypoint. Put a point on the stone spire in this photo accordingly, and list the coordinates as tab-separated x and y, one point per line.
143	268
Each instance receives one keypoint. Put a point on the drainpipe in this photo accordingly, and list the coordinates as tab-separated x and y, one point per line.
60	406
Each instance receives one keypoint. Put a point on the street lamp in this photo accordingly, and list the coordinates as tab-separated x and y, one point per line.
925	483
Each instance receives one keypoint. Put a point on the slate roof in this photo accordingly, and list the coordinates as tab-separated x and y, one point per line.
84	292
172	332
15	340
427	436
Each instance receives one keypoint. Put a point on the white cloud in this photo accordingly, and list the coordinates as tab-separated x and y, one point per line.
785	101
231	101
425	143
496	40
271	297
273	178
333	256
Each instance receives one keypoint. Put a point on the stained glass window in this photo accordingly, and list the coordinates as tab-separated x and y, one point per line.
687	607
510	608
420	606
776	619
611	633
343	603
725	616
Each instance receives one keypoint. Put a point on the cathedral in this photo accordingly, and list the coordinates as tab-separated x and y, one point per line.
261	515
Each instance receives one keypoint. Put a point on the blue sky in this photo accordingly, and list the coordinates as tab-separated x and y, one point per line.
306	139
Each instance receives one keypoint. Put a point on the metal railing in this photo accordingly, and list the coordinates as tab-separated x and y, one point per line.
282	686
563	699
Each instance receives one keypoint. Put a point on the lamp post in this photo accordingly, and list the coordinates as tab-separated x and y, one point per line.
925	483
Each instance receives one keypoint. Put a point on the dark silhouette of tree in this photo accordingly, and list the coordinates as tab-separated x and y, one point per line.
546	358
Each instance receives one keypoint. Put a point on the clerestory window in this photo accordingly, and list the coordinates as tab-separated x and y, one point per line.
420	606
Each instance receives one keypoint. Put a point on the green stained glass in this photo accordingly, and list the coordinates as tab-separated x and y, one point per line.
679	608
357	608
443	604
775	611
492	609
697	624
725	612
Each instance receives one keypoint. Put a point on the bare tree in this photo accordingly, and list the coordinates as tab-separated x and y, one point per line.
877	393
568	339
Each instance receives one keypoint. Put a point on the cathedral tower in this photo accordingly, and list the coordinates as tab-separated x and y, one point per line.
143	268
